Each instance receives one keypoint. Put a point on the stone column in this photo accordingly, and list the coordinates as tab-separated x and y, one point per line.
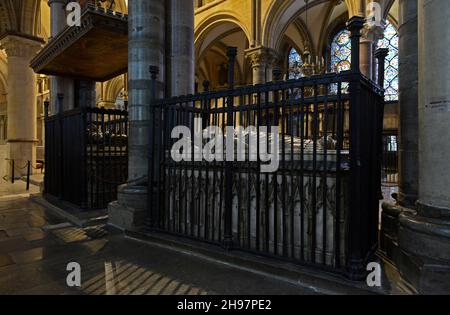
408	131
370	35
181	55
146	47
258	59
272	62
22	137
59	85
85	93
408	103
424	238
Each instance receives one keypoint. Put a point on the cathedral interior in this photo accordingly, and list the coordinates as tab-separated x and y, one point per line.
357	87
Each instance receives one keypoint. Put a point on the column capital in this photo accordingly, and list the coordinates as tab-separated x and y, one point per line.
261	56
21	46
372	33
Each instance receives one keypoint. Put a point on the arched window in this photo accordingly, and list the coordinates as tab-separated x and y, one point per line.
295	65
341	52
390	41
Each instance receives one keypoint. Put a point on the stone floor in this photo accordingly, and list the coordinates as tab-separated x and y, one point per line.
36	247
8	190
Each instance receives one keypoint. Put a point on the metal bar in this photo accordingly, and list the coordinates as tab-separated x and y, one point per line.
355	264
258	174
266	184
47	178
325	178
28	175
315	139
339	147
13	166
152	159
228	237
283	189
302	173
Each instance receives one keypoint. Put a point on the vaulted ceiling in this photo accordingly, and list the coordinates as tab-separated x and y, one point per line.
21	16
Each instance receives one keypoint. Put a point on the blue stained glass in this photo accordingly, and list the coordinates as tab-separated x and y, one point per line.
390	41
341	57
341	52
295	65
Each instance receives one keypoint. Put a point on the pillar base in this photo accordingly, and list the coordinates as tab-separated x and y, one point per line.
406	200
128	213
21	152
424	258
389	231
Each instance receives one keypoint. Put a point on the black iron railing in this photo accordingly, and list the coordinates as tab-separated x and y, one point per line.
318	207
390	175
86	153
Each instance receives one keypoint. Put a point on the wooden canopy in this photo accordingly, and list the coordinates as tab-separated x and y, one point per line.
97	50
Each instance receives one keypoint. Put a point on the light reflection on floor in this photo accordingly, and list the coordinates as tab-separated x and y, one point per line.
124	278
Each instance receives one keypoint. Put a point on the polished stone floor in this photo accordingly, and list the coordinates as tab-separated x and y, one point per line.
36	247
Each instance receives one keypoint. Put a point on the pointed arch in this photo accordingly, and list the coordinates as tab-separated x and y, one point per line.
280	15
214	21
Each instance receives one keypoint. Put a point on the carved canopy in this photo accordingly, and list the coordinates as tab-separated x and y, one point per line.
97	50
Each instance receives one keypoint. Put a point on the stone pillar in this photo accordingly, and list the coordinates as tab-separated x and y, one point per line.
146	47
181	51
408	103
22	137
408	133
258	58
57	16
85	93
59	85
424	237
272	62
370	35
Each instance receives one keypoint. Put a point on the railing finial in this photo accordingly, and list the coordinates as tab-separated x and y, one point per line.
355	25
206	86
277	73
381	54
231	54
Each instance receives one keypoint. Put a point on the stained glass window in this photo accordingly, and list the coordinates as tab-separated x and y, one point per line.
341	57
295	65
341	52
390	41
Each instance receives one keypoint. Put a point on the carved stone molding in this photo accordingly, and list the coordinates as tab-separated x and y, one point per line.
17	46
262	56
372	33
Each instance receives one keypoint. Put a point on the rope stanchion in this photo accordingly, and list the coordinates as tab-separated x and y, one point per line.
14	168
28	175
12	173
